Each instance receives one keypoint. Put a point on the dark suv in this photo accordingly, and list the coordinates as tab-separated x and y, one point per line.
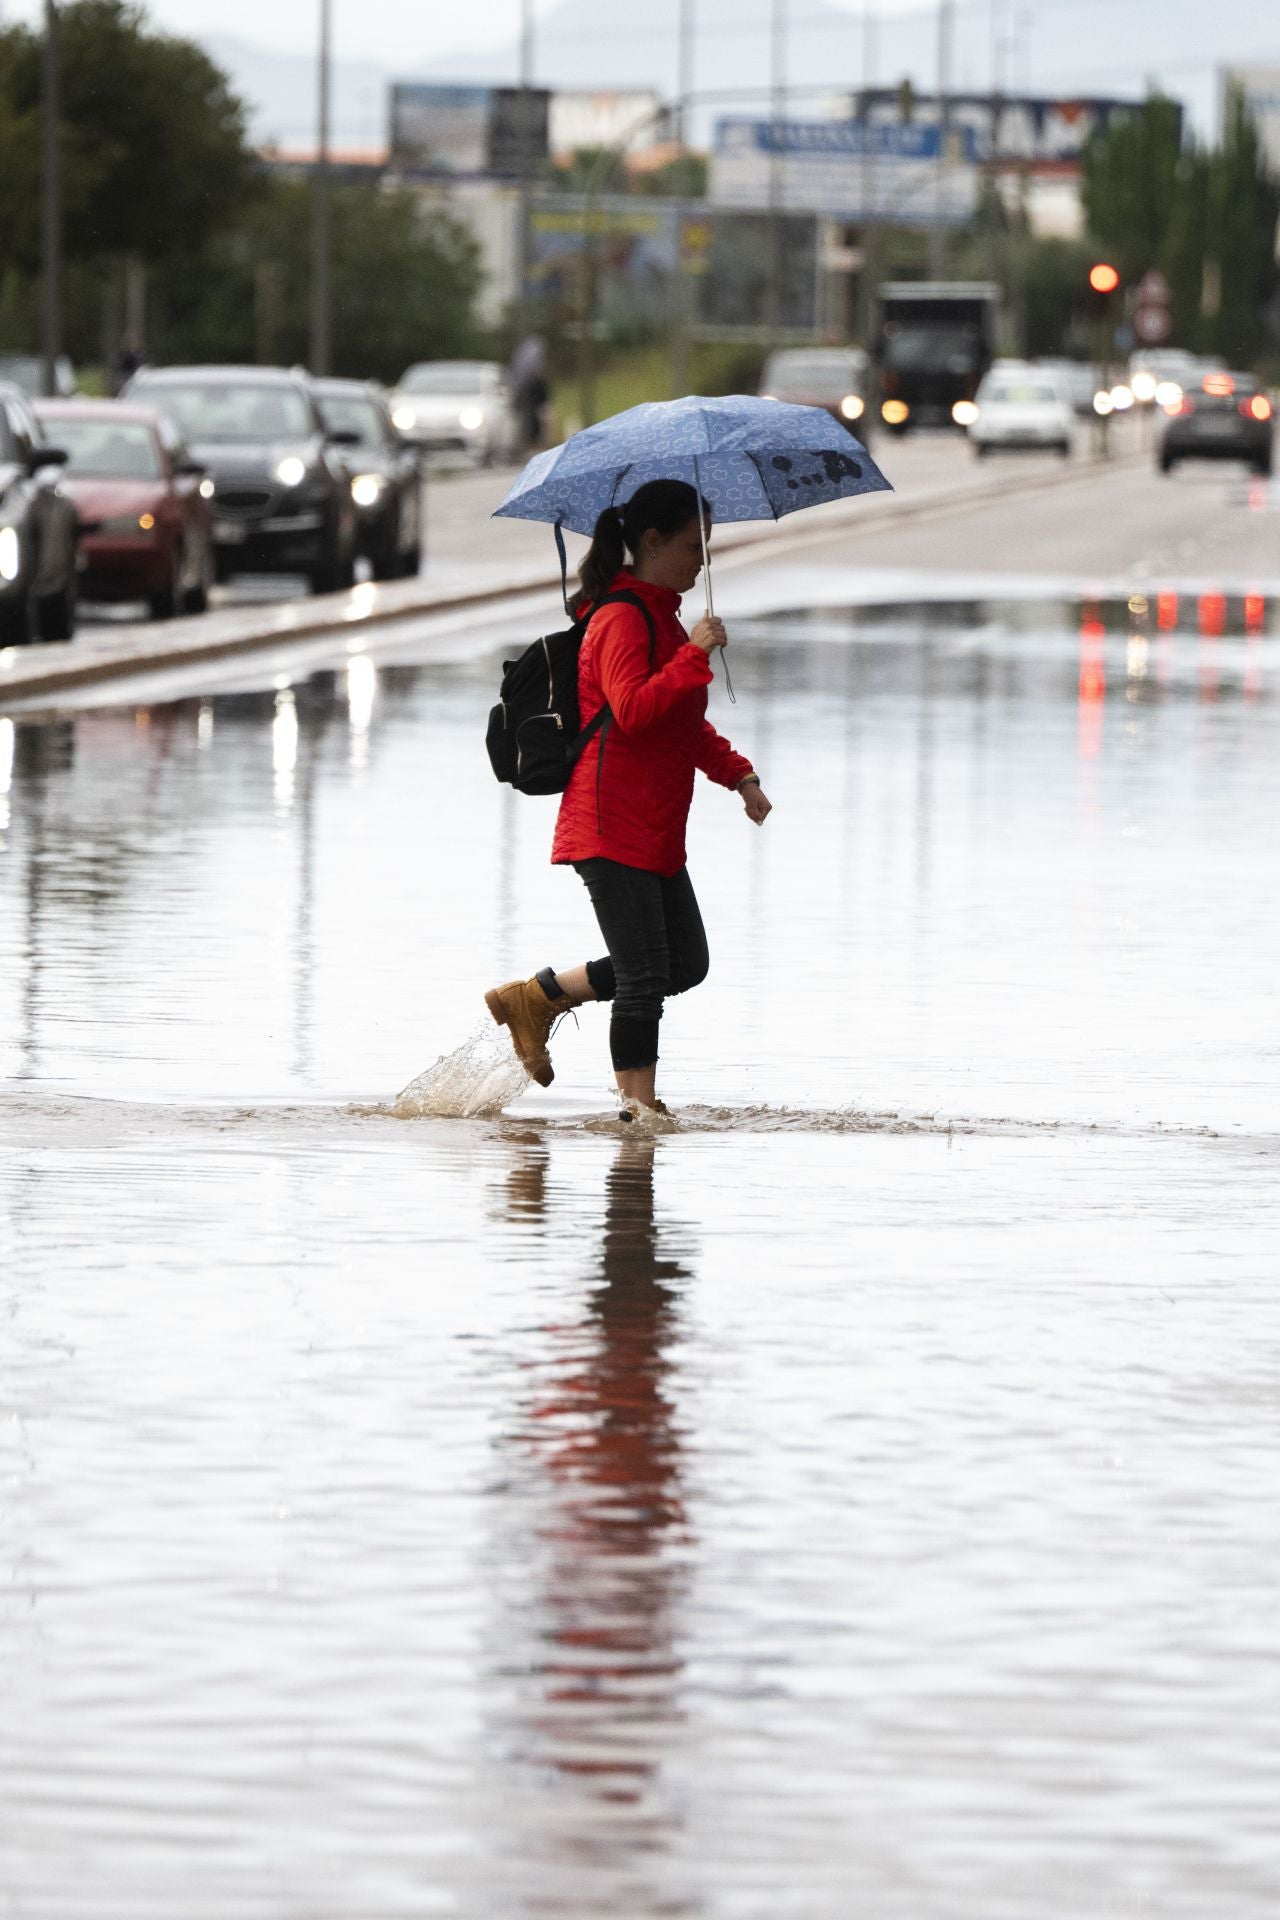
37	531
281	497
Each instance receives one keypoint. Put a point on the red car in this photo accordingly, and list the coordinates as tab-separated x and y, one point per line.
146	525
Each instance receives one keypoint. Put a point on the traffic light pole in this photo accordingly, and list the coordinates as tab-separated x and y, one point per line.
50	205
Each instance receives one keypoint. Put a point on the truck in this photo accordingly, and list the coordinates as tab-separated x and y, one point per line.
934	340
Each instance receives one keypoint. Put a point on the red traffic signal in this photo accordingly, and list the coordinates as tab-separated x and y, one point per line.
1103	277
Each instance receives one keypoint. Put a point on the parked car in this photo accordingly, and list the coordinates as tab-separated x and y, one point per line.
1020	407
386	481
837	378
146	527
26	371
37	530
1223	416
457	406
281	497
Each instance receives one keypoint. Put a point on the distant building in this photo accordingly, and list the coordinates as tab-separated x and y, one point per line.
1261	89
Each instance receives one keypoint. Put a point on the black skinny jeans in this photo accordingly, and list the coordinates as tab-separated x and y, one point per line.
657	945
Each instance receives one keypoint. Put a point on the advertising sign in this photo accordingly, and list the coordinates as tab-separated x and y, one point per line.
1260	88
467	130
1008	130
439	129
846	170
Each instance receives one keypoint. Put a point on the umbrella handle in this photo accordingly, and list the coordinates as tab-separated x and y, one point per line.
702	529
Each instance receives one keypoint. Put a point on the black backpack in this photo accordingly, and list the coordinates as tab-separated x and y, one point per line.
535	734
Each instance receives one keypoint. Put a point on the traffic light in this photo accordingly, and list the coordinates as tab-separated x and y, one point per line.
1104	279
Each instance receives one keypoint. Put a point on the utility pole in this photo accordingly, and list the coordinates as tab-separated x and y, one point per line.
682	291
868	279
50	204
321	221
522	210
775	302
938	232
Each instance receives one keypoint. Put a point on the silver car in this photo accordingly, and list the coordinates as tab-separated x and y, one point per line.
457	406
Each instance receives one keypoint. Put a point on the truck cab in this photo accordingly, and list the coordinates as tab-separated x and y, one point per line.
934	342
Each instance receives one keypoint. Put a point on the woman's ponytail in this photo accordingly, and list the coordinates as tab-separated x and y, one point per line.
665	505
604	557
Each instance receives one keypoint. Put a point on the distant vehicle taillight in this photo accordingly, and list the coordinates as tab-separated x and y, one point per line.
1258	408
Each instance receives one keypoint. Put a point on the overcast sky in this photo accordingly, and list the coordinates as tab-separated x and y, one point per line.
1069	46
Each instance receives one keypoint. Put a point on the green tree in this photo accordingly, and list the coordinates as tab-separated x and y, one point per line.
154	153
405	281
1131	182
1242	202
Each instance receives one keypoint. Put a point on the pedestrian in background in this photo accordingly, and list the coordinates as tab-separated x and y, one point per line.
530	391
623	815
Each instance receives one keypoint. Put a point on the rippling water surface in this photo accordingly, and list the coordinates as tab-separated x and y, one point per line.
860	1500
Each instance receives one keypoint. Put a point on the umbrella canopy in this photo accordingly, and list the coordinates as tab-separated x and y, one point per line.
751	459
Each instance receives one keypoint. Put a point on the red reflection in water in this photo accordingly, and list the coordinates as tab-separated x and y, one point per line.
1093	683
1255	623
1211	614
1255	612
1166	611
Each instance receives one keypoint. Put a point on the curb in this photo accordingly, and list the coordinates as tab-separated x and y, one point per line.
335	613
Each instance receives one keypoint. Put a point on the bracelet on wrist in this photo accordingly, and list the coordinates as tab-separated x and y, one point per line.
747	780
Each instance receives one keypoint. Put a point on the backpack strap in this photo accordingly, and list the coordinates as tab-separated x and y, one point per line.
564	567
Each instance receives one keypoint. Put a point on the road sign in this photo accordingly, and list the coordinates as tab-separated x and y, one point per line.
1152	325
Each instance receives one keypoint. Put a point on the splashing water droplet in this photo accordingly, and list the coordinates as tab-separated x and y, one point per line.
482	1076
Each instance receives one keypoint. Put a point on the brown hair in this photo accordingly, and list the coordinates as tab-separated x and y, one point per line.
665	506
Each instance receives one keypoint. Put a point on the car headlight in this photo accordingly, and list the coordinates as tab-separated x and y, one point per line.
471	419
895	412
964	413
10	553
1169	396
291	472
1122	398
1103	404
366	489
206	489
1143	386
403	418
851	406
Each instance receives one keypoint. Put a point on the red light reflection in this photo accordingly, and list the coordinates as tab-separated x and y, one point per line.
1166	611
1093	684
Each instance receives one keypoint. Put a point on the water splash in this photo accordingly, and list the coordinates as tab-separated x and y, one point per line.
482	1076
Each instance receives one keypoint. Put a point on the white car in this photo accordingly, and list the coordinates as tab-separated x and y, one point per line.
1021	407
456	406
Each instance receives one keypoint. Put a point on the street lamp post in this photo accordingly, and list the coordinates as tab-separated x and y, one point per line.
50	205
938	233
681	292
774	306
321	211
522	210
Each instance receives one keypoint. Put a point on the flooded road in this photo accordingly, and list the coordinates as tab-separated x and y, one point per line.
858	1500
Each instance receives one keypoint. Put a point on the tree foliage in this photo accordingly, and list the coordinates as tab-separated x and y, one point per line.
405	278
1206	218
154	153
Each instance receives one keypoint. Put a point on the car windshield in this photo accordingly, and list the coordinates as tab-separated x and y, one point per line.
444	377
909	348
116	449
1022	393
812	373
353	413
221	410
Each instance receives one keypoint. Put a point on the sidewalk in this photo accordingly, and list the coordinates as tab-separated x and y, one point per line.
472	560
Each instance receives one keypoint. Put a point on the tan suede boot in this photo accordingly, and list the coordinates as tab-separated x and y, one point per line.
527	1014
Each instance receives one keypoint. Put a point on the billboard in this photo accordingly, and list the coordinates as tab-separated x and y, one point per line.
633	119
1009	130
451	130
847	170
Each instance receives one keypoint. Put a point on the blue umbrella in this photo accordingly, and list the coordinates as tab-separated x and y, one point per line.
751	459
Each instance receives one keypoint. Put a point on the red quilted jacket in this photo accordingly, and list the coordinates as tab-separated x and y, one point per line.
660	737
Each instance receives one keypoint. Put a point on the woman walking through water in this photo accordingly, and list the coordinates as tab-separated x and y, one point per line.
623	815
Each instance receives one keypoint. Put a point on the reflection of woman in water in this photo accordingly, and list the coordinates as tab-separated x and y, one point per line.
601	1429
623	816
